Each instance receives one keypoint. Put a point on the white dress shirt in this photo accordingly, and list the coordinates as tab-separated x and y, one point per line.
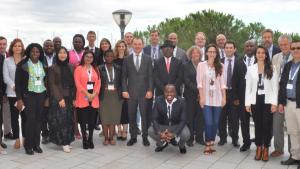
170	104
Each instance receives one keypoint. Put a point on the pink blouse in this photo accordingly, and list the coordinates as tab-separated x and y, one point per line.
212	86
75	57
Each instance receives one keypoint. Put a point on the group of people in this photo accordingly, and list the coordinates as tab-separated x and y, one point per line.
181	98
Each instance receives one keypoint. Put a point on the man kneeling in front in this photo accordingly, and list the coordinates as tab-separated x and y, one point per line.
169	121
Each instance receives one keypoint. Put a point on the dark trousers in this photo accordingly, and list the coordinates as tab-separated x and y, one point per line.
1	120
245	123
195	119
15	118
230	116
87	117
132	114
263	120
34	103
45	129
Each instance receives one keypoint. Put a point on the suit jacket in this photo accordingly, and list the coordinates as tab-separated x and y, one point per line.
270	87
190	81
238	80
162	77
181	55
97	50
275	50
104	80
2	84
234	67
147	51
277	61
283	82
137	83
178	114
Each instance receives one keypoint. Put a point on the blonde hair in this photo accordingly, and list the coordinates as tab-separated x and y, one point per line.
116	52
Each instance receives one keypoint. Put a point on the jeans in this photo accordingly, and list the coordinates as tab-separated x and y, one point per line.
212	118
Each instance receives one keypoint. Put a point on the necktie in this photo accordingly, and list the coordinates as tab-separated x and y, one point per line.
222	53
229	74
154	53
168	65
169	114
249	61
137	63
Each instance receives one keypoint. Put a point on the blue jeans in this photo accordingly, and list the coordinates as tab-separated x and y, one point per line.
211	117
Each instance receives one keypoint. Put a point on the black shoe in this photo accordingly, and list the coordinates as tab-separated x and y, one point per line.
290	161
245	147
85	143
201	142
45	140
236	144
173	142
97	127
252	140
9	136
131	142
3	145
91	144
159	149
38	149
146	141
119	138
190	143
124	138
182	150
222	142
29	151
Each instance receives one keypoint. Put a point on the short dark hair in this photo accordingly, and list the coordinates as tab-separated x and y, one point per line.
29	49
230	42
138	38
155	31
91	32
80	36
3	38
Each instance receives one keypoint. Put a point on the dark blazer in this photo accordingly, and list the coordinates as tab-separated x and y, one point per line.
162	77
190	83
160	117
2	84
137	83
97	50
239	81
236	57
275	50
22	77
147	51
283	82
104	80
181	55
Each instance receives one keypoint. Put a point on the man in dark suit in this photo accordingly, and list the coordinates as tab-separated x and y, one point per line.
169	120
153	49
137	87
167	70
178	52
267	41
238	90
229	114
195	118
91	37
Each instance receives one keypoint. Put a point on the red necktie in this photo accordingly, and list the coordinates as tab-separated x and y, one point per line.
168	65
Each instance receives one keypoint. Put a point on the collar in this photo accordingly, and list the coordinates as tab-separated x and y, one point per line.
170	104
140	54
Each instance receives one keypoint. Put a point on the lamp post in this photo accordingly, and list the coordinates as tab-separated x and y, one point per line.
122	18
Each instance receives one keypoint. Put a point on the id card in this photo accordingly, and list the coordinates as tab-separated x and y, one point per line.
38	83
90	86
289	86
260	92
111	87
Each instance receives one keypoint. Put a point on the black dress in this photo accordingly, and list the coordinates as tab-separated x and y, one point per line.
124	114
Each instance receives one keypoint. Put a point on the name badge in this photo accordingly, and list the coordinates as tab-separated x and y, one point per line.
289	86
38	83
111	87
90	86
260	92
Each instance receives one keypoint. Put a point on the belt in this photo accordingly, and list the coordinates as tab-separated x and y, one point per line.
291	99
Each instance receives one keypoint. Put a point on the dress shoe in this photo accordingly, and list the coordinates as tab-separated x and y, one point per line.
173	142
236	144
161	148
290	161
9	136
119	138
182	150
258	153
276	153
190	143
146	141
3	145
222	142
45	140
131	142
85	143
29	151
91	143
38	149
265	154
245	147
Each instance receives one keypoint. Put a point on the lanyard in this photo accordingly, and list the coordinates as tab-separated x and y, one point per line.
77	56
89	72
292	77
113	74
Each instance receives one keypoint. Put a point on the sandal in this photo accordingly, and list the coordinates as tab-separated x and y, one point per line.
207	150
106	142
212	149
112	142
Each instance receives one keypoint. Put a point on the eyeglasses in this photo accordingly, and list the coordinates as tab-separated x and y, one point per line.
295	48
211	51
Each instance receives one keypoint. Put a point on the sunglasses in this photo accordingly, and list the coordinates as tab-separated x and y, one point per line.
295	48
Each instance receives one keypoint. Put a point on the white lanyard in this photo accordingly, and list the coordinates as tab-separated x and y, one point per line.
78	58
113	74
89	72
295	73
36	70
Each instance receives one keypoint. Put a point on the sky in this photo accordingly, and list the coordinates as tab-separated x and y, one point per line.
38	20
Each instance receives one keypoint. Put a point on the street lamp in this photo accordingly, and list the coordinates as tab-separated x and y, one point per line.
122	18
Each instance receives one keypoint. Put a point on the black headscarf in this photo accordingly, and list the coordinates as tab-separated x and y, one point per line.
65	71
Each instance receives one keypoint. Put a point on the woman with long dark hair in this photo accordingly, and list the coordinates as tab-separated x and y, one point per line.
261	99
104	46
62	90
211	87
88	83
